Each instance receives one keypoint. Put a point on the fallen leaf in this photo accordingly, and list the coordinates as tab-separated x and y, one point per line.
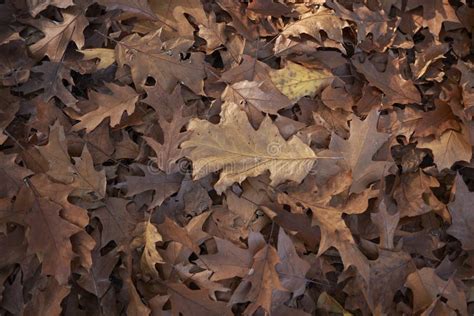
241	152
122	99
296	81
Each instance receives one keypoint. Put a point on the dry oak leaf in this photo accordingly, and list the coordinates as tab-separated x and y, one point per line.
229	261
49	236
168	153
12	175
58	35
462	226
148	56
292	269
261	280
386	224
240	151
54	74
312	24
448	149
376	23
81	175
106	56
428	287
148	236
185	301
435	13
414	195
296	81
163	185
172	16
328	303
138	8
117	221
436	122
97	279
122	99
358	150
213	33
269	7
396	89
251	93
36	6
46	298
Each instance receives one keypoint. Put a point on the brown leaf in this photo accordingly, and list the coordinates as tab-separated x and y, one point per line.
58	35
242	152
122	99
396	89
149	56
194	302
449	148
49	237
359	149
427	287
461	214
260	282
163	185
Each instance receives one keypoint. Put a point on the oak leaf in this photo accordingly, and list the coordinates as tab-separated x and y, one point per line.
296	81
148	236
49	236
163	185
462	215
149	56
448	149
36	6
241	152
122	99
396	89
312	24
261	280
194	302
54	75
435	13
106	56
359	149
139	8
428	287
58	35
251	94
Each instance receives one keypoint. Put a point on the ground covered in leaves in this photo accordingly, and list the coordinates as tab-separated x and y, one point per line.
221	157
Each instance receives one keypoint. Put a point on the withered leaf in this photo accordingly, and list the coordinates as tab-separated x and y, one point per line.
241	152
396	89
460	209
296	81
194	302
49	236
428	287
359	149
448	149
260	282
122	99
162	184
58	35
149	56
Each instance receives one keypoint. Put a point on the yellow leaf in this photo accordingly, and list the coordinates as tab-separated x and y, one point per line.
296	81
329	304
148	236
106	56
240	151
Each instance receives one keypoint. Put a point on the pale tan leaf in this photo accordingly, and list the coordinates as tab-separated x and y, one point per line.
296	81
241	152
448	149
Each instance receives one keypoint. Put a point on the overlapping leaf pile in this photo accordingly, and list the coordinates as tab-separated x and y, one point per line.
221	157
